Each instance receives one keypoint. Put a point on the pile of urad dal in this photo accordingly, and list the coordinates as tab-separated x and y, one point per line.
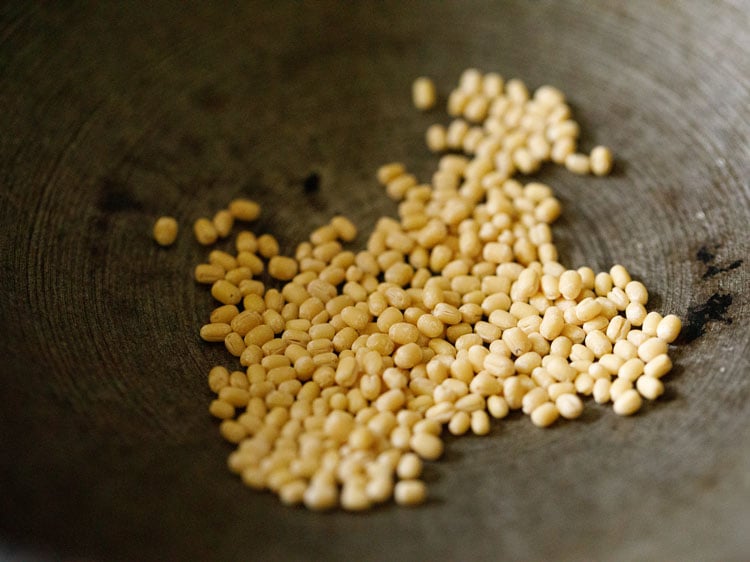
346	365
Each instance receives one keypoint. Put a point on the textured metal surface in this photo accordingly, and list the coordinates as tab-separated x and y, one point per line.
114	114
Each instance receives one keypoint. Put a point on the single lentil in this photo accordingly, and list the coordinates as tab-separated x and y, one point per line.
205	232
165	231
244	209
628	403
424	95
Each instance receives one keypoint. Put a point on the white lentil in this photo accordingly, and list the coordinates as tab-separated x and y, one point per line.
545	415
244	209
517	341
321	495
221	409
651	323
631	369
470	81
480	422
651	348
409	467
205	232
533	399
635	313
599	343
584	384
669	328
628	403
225	292
601	390
625	349
569	405
578	163
460	423
427	445
611	362
223	222
476	108
601	160
603	283
208	273
620	276
410	492
618	328
268	247
649	387
619	387
165	231
436	138
570	284
455	133
561	149
599	323
424	95
658	366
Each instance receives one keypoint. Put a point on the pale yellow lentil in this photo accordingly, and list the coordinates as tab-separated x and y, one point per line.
649	387
410	492
205	232
601	160
669	328
165	231
424	95
244	209
628	403
545	415
658	366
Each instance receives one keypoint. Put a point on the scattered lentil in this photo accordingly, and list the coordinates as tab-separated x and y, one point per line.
165	231
244	209
424	95
601	160
205	232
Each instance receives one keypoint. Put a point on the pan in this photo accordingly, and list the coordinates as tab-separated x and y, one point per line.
117	113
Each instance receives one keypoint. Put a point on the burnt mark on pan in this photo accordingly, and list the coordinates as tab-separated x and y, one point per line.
699	315
707	256
716	307
714	270
311	183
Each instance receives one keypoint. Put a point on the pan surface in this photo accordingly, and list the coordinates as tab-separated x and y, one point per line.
115	113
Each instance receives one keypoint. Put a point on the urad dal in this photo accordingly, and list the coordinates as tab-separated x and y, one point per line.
347	364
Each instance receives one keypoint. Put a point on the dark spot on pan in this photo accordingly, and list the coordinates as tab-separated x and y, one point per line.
311	183
699	315
706	255
714	270
114	197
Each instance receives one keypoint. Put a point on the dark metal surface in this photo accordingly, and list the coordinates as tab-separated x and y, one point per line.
114	114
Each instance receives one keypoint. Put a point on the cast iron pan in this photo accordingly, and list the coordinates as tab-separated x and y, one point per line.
115	113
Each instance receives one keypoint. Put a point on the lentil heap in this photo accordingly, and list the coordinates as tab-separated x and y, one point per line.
348	364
